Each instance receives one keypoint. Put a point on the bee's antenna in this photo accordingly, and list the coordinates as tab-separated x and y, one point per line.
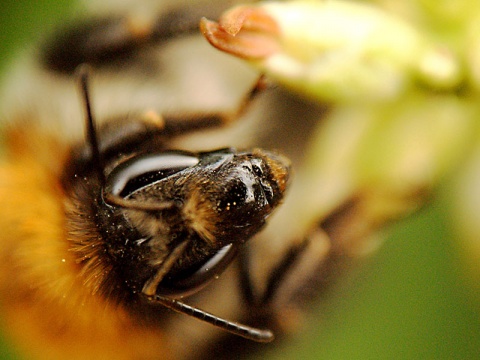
247	332
83	72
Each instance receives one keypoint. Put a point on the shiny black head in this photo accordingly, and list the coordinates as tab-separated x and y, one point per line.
210	201
224	196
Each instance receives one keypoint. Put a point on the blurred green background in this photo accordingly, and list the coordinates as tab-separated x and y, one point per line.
412	300
409	301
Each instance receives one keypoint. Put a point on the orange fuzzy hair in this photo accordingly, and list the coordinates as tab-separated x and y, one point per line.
49	309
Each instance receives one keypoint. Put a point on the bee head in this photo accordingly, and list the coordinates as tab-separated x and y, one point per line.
212	202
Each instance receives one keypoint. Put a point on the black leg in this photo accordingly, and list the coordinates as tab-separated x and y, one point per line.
118	134
279	273
246	283
102	41
275	280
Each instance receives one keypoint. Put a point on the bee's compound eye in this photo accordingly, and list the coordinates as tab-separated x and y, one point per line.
200	277
147	169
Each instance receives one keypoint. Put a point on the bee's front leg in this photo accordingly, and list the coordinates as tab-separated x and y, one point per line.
154	129
262	302
309	267
105	41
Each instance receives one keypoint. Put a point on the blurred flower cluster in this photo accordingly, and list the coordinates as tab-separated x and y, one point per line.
403	81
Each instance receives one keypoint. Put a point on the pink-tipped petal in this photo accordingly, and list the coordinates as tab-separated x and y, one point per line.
248	18
246	32
234	19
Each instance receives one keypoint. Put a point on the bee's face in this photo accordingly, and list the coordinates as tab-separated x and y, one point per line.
211	199
134	220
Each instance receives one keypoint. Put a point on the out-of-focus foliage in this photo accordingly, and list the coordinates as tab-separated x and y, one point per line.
408	302
402	79
22	22
420	297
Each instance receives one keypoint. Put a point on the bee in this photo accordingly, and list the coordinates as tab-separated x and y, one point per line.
113	221
103	235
